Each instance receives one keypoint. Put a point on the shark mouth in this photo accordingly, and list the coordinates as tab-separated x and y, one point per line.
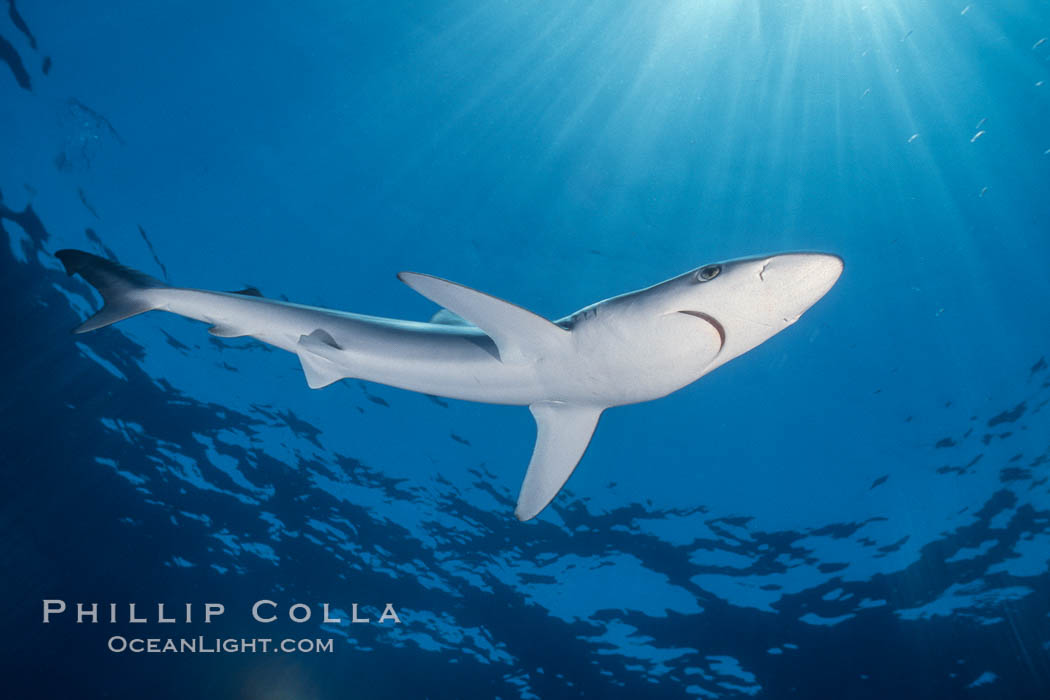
714	323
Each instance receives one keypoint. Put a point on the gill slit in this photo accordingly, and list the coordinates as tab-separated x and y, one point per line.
713	321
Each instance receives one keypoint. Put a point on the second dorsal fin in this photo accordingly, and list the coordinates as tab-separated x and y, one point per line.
248	292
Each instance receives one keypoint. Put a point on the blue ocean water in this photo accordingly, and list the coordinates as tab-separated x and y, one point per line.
858	508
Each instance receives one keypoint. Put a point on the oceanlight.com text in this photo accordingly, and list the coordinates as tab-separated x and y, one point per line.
217	645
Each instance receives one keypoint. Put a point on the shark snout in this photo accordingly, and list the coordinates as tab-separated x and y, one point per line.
815	266
811	269
799	280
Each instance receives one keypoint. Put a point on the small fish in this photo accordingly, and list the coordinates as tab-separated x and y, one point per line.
1039	43
86	203
981	123
912	137
437	400
1039	83
965	10
156	259
983	191
907	35
865	93
976	136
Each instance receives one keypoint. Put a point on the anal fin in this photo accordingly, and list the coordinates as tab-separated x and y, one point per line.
222	330
563	431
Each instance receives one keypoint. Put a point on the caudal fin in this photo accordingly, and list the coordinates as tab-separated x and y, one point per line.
124	291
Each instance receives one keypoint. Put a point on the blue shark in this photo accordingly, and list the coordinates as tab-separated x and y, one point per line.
635	347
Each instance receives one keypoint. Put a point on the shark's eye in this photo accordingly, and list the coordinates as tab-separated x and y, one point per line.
706	274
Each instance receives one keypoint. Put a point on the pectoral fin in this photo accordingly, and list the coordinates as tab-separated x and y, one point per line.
519	334
563	432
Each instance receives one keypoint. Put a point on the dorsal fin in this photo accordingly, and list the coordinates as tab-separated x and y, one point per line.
519	334
445	317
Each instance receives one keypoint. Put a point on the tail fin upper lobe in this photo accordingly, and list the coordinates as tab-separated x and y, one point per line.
123	290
